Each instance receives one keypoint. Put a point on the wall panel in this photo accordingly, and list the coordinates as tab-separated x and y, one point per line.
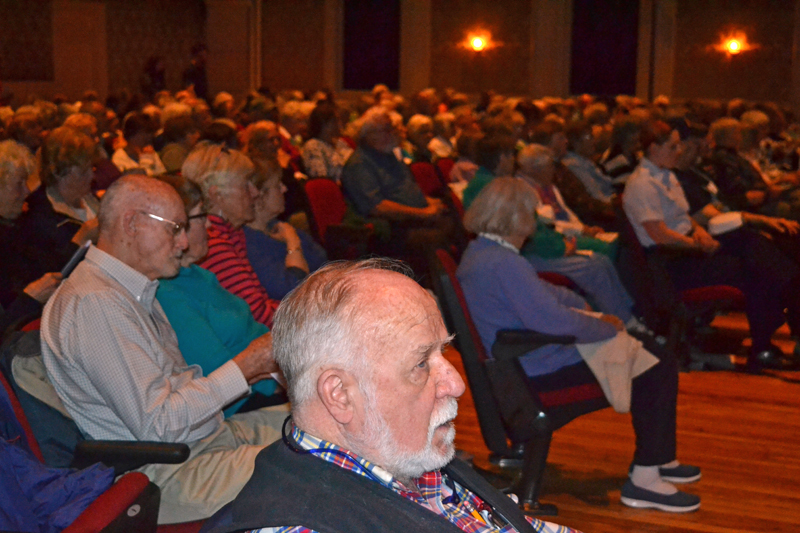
762	74
504	69
292	44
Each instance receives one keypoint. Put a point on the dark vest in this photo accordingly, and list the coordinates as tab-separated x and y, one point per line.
290	489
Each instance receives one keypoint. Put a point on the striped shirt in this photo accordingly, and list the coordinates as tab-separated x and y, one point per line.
434	491
227	259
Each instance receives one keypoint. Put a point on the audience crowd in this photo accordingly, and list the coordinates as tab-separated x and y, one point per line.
200	224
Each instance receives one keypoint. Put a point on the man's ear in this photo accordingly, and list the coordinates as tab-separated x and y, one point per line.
129	222
335	389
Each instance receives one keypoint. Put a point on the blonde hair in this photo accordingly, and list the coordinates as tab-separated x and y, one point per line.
212	165
506	206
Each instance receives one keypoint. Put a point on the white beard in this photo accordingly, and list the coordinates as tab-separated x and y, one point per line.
407	465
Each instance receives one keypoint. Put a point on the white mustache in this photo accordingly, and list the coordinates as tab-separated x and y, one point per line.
445	414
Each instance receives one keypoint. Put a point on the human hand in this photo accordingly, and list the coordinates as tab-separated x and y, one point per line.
614	321
256	361
704	241
781	225
43	288
592	231
434	208
285	233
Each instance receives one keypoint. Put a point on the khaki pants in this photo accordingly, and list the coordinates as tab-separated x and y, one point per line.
218	466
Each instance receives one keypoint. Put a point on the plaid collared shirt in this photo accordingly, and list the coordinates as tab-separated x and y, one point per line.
433	491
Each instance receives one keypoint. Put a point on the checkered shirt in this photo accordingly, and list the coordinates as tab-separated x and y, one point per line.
434	491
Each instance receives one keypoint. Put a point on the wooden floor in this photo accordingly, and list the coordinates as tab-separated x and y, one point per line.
743	430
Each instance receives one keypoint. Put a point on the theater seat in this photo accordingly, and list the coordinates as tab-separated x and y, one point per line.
516	420
132	503
328	209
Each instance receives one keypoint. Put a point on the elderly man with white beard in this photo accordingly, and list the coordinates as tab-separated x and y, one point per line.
369	446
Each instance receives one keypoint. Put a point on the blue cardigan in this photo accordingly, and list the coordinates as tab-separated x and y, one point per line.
503	291
212	324
268	258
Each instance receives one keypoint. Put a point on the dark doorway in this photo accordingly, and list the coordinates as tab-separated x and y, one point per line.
371	44
605	35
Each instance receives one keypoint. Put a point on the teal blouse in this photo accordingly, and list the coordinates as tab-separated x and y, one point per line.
212	324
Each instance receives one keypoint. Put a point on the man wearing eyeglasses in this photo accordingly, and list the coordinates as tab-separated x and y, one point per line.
115	363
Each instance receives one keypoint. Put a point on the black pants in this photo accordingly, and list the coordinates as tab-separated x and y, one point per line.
754	264
654	397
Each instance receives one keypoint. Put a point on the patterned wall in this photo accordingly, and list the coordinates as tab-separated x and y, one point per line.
26	40
138	29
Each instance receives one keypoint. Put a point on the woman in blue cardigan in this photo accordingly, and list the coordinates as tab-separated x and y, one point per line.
280	255
503	291
212	324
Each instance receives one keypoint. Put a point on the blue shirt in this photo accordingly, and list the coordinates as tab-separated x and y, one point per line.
370	176
503	291
597	184
267	256
212	324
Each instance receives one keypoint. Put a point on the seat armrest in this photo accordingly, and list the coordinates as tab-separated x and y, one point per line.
512	343
128	455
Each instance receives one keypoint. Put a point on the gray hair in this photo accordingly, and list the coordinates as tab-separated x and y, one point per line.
13	158
505	207
215	165
373	121
318	324
535	156
416	122
722	130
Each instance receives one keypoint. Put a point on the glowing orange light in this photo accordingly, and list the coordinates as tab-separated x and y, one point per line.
733	44
477	43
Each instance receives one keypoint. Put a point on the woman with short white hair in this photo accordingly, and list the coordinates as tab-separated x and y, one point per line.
21	294
223	176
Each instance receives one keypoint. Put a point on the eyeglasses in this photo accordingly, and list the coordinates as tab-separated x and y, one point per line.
200	216
175	227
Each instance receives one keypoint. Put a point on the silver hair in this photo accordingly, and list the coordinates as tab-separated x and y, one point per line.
13	158
535	156
215	165
373	121
505	207
317	325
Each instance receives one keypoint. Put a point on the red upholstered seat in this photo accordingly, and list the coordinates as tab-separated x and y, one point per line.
427	178
715	293
130	504
445	165
327	204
